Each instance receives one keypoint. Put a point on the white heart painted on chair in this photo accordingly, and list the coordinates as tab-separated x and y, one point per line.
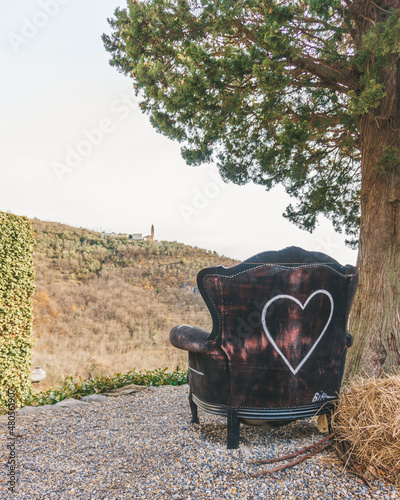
303	306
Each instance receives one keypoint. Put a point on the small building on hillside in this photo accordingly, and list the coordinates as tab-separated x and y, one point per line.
133	236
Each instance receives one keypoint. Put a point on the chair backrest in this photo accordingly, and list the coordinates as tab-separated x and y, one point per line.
280	317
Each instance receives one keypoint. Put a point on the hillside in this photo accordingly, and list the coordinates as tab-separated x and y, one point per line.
106	305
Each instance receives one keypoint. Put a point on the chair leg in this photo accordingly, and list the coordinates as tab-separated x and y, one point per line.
193	409
233	429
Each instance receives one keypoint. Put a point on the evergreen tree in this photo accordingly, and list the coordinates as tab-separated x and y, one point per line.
303	93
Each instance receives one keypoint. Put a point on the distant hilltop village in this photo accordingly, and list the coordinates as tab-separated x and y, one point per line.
133	236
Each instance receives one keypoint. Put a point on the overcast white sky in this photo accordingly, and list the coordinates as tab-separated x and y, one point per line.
77	150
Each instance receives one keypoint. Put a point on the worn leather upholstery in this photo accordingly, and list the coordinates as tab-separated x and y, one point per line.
278	345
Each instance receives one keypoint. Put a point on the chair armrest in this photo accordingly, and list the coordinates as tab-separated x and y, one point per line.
192	339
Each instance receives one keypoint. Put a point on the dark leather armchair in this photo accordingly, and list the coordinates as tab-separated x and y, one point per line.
277	349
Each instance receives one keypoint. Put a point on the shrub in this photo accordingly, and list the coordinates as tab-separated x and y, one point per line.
76	388
16	291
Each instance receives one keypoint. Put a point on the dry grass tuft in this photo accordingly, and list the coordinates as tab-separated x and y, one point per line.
367	426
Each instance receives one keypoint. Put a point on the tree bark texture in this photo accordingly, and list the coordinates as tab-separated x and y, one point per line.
375	315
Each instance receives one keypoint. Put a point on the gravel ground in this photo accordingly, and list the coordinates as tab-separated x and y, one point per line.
143	447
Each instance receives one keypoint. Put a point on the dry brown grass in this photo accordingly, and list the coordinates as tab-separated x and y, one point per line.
107	325
367	420
106	306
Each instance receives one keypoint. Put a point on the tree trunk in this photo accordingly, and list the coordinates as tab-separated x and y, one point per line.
375	315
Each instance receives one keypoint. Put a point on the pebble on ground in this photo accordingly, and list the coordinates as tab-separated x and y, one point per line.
142	446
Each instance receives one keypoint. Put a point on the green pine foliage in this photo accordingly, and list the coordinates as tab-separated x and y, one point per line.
271	91
16	291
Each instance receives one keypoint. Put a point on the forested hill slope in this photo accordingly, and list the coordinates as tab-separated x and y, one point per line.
105	305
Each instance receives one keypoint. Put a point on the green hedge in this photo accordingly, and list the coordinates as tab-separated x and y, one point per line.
76	388
16	291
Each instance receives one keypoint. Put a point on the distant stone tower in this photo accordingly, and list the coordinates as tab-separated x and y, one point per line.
150	237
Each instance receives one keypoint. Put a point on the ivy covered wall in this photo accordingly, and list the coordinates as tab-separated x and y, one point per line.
16	291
